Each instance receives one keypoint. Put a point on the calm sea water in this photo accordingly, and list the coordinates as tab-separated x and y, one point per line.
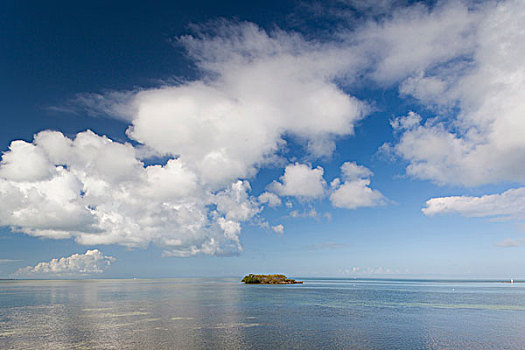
224	314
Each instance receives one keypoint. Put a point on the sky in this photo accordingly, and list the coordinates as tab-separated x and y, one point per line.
340	138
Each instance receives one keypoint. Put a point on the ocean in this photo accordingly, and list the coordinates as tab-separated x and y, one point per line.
225	314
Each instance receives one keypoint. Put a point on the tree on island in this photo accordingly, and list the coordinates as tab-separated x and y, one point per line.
268	279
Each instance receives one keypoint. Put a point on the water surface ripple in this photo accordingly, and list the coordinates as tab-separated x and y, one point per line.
225	314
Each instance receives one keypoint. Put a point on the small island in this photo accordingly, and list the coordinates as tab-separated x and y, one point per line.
268	279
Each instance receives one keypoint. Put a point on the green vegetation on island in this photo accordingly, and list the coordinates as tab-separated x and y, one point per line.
268	279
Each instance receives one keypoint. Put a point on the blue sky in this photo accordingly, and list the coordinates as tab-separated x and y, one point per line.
340	138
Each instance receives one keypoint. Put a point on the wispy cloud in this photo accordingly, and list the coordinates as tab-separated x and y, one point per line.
326	246
510	243
5	261
311	213
368	271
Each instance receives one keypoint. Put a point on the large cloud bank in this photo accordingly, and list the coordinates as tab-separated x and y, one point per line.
477	137
482	143
99	192
91	262
259	90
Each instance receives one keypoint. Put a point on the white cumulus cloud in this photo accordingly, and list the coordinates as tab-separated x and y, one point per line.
256	90
91	262
484	82
507	205
476	90
278	229
301	180
99	192
270	198
354	190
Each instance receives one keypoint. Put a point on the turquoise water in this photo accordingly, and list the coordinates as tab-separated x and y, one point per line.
224	314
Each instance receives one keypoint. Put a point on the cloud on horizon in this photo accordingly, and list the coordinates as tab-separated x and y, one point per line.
368	271
91	262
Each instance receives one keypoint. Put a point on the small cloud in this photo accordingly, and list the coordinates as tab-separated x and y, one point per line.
510	243
410	121
367	271
278	229
312	213
91	262
355	191
262	223
271	199
302	181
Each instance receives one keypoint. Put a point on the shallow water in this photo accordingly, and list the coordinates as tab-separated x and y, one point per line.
224	314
